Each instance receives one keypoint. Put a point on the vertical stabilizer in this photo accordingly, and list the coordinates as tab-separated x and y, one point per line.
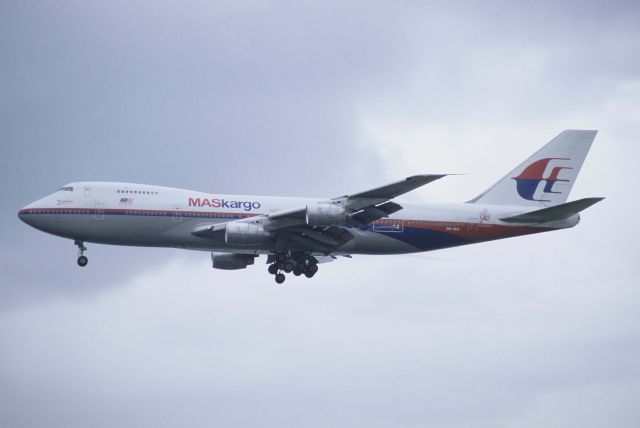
546	178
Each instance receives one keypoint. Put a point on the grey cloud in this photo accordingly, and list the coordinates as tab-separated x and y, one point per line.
338	351
269	98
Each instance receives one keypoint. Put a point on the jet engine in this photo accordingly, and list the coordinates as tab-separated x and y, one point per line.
244	234
230	261
325	214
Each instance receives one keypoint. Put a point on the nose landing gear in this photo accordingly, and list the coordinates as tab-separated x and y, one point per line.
82	259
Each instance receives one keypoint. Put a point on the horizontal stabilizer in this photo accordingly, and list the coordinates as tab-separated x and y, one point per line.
557	212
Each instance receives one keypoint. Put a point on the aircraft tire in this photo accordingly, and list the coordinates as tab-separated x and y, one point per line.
288	266
280	278
273	269
82	261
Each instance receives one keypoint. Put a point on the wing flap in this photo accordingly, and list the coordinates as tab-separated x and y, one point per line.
375	212
309	238
308	232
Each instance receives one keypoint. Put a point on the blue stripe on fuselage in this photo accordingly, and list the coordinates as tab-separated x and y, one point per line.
422	238
427	239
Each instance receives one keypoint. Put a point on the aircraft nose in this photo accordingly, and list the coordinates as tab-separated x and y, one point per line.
27	214
23	214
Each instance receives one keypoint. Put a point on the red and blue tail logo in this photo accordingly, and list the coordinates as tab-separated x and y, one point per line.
530	178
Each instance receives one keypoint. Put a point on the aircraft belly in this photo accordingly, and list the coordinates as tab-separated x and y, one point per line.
129	230
367	242
121	230
147	231
163	231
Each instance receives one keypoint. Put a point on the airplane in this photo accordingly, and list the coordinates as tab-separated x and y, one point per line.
297	234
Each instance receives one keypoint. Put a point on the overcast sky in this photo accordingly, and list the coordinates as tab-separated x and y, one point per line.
319	99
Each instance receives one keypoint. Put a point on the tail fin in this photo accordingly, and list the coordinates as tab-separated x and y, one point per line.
546	178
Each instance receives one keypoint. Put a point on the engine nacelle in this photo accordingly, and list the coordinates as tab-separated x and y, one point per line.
244	234
324	214
228	261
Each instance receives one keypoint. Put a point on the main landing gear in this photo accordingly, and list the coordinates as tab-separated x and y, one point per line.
298	263
82	259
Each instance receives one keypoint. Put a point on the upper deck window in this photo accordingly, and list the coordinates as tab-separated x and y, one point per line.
66	189
138	192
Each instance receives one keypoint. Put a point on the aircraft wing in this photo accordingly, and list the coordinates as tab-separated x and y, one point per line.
295	237
369	205
290	229
381	194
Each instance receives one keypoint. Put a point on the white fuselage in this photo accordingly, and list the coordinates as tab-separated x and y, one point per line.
156	216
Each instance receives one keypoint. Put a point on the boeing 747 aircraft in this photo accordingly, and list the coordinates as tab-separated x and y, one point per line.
297	234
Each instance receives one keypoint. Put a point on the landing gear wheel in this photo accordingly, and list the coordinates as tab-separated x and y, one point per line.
281	257
311	270
297	271
273	269
280	278
82	260
288	266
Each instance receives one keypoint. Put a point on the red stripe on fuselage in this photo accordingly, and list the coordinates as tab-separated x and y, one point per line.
470	231
92	211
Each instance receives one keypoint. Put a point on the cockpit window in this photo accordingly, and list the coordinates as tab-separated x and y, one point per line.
66	189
